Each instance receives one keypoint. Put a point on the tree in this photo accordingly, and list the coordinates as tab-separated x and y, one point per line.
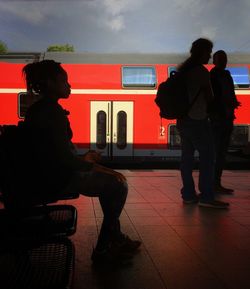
61	48
3	47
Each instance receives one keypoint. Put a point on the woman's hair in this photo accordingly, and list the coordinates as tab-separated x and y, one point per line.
197	49
199	46
38	75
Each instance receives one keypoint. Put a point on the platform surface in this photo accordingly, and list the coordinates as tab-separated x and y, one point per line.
183	246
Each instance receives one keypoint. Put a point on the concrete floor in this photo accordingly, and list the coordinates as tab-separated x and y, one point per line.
183	246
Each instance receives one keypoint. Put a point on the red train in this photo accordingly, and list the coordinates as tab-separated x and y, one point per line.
112	105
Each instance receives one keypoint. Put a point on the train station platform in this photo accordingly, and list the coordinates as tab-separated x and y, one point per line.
183	246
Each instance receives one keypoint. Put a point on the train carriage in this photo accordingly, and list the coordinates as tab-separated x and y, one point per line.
112	107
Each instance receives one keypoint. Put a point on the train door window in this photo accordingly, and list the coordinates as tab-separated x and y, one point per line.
101	129
134	76
25	100
240	76
121	130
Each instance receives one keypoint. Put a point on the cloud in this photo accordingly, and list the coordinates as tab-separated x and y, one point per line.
124	25
115	7
35	11
46	0
18	10
116	23
191	8
116	12
209	32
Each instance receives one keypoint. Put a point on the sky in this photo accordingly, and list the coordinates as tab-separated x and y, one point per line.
144	26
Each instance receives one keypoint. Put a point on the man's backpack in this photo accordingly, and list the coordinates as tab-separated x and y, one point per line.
172	97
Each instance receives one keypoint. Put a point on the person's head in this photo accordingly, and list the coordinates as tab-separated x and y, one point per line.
201	50
47	78
220	59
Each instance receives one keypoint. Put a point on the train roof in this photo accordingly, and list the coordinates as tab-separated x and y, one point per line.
111	58
116	58
133	58
20	57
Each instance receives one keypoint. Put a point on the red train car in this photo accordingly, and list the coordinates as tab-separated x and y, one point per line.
112	107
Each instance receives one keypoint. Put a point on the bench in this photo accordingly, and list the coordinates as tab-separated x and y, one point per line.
34	249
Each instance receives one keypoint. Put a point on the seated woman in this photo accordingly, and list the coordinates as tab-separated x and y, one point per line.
55	167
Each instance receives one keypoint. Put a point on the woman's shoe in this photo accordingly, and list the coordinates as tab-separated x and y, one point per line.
109	256
125	245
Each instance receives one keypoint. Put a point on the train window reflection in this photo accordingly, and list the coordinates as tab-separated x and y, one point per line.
138	76
101	129
240	76
174	137
121	130
171	70
239	137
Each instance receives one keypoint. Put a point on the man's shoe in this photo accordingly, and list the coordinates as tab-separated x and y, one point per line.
214	204
222	190
125	245
191	201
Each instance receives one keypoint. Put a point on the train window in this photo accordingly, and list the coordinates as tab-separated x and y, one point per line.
239	137
121	130
25	100
240	76
134	76
101	129
171	69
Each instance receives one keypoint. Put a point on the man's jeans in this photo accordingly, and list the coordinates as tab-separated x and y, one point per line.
222	130
196	135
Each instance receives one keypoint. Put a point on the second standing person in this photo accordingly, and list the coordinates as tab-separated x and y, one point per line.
222	115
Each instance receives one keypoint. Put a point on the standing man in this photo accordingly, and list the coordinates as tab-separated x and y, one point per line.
195	129
222	115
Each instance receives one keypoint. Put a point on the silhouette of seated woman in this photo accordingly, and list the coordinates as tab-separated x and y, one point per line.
57	168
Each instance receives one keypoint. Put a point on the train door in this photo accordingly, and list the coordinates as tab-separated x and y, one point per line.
111	128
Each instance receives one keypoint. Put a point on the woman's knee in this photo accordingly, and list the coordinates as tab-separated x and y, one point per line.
118	188
124	189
